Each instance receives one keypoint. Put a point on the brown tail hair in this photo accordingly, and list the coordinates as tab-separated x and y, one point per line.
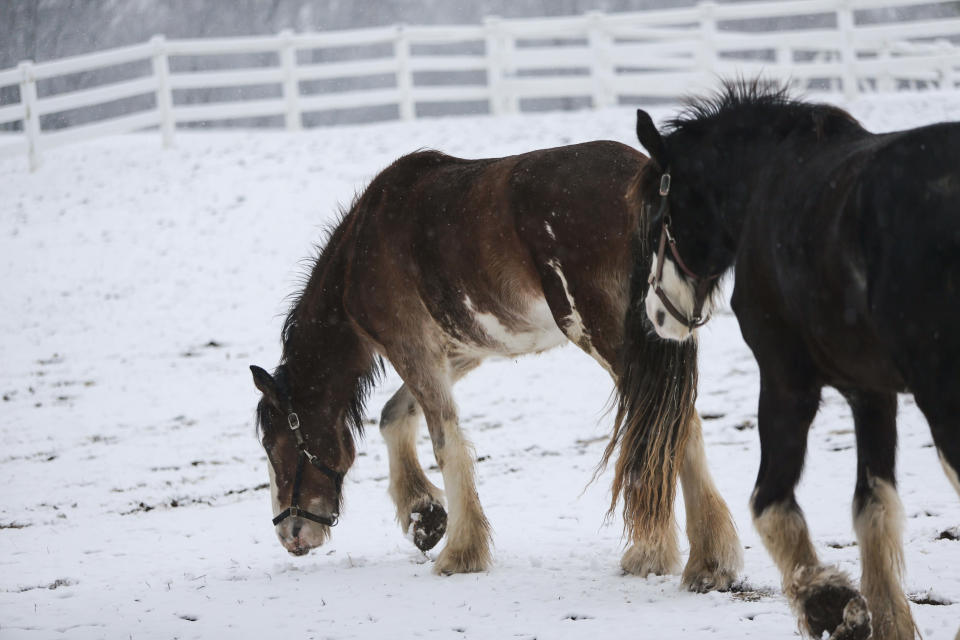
656	392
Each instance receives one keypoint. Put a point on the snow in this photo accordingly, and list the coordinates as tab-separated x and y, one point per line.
138	284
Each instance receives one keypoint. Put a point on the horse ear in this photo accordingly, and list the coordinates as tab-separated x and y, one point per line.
650	138
267	385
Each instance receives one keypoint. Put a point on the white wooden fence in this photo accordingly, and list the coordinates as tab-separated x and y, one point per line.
600	59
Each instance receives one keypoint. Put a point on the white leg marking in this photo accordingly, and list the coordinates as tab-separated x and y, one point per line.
409	487
784	533
468	532
715	554
879	526
658	555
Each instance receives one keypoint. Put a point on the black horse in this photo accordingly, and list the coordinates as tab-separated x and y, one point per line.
846	246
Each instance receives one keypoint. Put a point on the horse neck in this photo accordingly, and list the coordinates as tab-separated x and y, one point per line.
322	348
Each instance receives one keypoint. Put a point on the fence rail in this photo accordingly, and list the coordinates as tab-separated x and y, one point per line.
504	65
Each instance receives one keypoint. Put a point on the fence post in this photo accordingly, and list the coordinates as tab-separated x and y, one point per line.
885	82
291	87
161	69
511	99
31	118
493	52
709	55
404	74
947	73
602	67
848	53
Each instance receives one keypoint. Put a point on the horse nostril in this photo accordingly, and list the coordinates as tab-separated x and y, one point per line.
295	530
661	318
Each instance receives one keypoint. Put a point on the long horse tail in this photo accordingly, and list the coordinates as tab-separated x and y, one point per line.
656	391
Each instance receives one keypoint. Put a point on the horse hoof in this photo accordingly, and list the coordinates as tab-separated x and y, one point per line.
640	560
856	621
706	580
428	523
837	609
451	561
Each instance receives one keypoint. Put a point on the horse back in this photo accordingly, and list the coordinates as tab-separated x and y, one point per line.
447	241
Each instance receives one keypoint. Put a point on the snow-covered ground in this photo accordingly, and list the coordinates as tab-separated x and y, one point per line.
138	285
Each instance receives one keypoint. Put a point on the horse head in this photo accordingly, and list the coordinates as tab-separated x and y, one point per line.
683	222
309	449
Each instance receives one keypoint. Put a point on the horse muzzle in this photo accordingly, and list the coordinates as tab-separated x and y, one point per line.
299	535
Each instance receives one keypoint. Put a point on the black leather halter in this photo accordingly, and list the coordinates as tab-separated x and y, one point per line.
294	510
702	284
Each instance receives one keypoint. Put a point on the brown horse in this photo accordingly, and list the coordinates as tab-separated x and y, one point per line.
443	262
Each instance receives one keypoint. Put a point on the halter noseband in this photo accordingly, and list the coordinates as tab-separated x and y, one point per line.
294	510
702	284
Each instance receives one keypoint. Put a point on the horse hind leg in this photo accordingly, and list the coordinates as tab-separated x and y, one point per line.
950	469
655	551
715	557
937	397
597	329
878	515
419	502
715	554
941	407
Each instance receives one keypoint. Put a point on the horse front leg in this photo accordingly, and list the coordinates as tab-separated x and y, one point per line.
430	380
822	596
468	531
419	502
715	554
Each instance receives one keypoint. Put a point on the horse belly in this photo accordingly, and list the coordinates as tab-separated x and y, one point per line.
531	331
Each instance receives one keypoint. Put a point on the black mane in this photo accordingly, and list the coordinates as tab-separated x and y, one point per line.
755	101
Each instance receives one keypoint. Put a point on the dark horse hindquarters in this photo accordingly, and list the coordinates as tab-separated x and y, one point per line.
442	262
912	259
847	252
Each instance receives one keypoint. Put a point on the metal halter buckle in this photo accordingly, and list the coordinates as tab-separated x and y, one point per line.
294	421
665	184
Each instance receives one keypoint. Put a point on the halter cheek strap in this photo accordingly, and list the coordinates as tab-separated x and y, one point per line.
702	285
294	510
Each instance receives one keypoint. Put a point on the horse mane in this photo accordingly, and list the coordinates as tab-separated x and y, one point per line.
325	255
761	99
